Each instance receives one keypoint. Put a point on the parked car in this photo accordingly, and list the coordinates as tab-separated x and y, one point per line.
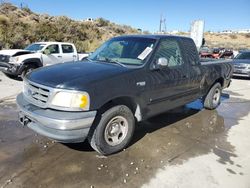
205	52
216	52
16	62
242	64
127	80
227	53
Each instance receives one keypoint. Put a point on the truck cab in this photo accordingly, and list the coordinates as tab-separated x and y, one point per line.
54	52
19	62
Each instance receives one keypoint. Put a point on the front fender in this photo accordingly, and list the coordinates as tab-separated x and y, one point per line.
34	62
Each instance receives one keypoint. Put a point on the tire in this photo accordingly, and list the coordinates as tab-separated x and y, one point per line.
26	71
113	131
212	100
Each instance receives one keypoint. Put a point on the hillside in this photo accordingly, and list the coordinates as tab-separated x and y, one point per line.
235	41
20	27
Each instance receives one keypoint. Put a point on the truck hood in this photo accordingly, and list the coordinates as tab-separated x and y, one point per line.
75	74
241	61
11	52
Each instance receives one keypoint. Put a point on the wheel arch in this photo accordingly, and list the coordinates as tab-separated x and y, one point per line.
33	61
219	80
130	102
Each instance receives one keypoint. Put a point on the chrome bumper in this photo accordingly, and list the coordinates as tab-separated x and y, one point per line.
242	75
4	69
58	125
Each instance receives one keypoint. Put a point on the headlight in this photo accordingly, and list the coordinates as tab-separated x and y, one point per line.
13	59
73	101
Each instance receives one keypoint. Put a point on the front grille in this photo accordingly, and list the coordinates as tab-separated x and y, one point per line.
4	58
239	67
37	95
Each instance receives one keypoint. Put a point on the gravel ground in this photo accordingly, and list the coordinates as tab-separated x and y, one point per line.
9	87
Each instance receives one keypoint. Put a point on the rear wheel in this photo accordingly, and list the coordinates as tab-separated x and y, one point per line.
212	100
113	131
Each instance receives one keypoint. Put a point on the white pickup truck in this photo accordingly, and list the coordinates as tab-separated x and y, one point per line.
18	62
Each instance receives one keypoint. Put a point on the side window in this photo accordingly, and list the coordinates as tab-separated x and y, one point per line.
170	50
191	52
66	48
54	49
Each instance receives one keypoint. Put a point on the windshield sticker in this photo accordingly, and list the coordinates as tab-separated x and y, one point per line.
145	53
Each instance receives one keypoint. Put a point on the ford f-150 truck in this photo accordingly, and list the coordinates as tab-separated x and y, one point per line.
127	80
16	62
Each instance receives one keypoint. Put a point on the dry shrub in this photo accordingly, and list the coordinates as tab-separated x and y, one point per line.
232	36
20	27
247	35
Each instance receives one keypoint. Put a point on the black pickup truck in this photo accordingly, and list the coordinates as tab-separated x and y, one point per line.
127	80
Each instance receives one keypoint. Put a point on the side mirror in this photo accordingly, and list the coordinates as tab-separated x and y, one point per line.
162	62
46	52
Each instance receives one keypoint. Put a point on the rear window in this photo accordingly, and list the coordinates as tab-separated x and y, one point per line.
66	48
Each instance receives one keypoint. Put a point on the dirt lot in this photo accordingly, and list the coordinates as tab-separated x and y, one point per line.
186	147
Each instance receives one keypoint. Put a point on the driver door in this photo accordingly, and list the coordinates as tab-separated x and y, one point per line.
53	57
167	85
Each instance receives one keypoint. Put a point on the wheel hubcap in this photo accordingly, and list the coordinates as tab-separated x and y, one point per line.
116	130
216	97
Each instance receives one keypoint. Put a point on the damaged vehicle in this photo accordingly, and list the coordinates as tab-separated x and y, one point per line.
16	62
127	80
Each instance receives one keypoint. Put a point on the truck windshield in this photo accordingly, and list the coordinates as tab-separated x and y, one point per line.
125	51
35	47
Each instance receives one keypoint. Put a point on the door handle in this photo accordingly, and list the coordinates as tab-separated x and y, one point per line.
59	56
74	55
185	76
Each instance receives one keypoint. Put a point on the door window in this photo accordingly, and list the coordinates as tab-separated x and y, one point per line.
53	49
170	50
66	48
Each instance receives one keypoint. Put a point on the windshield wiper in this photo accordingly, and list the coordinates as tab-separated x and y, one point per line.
109	60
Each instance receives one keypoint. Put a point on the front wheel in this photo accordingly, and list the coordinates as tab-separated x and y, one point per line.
26	71
113	131
212	100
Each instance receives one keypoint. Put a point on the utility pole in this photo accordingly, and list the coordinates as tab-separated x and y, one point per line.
162	28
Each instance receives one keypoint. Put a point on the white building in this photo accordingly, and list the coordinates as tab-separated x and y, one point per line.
235	31
89	20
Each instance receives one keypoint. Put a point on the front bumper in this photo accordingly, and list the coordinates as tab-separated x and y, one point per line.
241	73
10	69
61	126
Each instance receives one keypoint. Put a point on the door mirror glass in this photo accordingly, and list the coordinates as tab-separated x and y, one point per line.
162	62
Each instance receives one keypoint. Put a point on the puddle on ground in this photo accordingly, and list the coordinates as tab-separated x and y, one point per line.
27	159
